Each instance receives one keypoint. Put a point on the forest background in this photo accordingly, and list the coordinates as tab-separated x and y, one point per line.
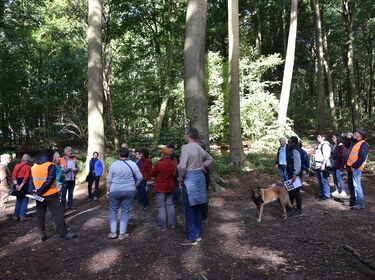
44	72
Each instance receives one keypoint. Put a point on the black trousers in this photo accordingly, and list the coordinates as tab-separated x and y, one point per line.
57	211
93	179
295	194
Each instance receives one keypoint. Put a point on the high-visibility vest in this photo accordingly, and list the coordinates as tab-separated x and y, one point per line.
63	164
353	155
40	175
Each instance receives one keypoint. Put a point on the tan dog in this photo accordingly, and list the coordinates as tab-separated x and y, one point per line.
265	196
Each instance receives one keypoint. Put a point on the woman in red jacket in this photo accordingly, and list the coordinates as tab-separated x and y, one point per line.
163	172
145	166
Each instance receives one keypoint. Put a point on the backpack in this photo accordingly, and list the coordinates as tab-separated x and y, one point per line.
331	162
305	160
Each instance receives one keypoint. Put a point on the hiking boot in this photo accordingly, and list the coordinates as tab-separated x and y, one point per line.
359	206
335	193
112	235
297	212
24	219
95	198
69	236
89	200
187	242
123	236
199	239
348	203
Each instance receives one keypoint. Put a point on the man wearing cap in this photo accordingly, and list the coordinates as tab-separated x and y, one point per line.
163	172
193	163
355	164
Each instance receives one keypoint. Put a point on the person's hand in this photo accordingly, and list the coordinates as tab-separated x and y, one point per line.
18	188
277	166
107	195
204	169
323	167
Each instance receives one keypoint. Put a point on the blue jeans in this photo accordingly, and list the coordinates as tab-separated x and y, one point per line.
355	187
68	187
21	207
282	173
323	182
337	180
125	200
142	194
193	217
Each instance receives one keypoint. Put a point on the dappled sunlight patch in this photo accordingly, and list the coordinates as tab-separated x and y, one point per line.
103	260
79	213
269	257
192	259
229	215
94	222
21	242
216	202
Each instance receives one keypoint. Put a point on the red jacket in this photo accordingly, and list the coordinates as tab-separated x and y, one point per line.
22	171
145	166
164	175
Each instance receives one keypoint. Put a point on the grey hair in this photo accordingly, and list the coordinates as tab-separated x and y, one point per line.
26	158
4	157
68	149
282	139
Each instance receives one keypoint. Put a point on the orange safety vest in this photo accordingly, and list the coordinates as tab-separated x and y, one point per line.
63	164
40	175
353	155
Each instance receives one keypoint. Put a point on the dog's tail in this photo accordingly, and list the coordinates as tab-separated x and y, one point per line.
288	202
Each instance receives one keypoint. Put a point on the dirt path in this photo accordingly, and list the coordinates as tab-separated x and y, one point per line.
234	245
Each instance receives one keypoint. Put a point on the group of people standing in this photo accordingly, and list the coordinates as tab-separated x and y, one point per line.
328	158
351	156
128	181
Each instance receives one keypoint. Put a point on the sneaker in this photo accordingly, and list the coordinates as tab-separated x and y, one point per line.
344	194
173	227
112	235
324	198
95	198
199	239
359	206
89	200
297	212
187	242
24	219
123	236
43	238
348	203
69	236
160	228
335	193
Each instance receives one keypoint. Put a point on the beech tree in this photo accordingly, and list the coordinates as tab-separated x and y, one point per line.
289	63
235	136
194	66
95	82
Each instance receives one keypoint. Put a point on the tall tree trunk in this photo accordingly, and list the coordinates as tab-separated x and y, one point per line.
107	73
348	17
320	58
95	82
235	136
194	66
330	87
166	88
285	23
258	28
289	63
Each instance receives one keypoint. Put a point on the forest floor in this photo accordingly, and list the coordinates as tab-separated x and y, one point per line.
234	245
